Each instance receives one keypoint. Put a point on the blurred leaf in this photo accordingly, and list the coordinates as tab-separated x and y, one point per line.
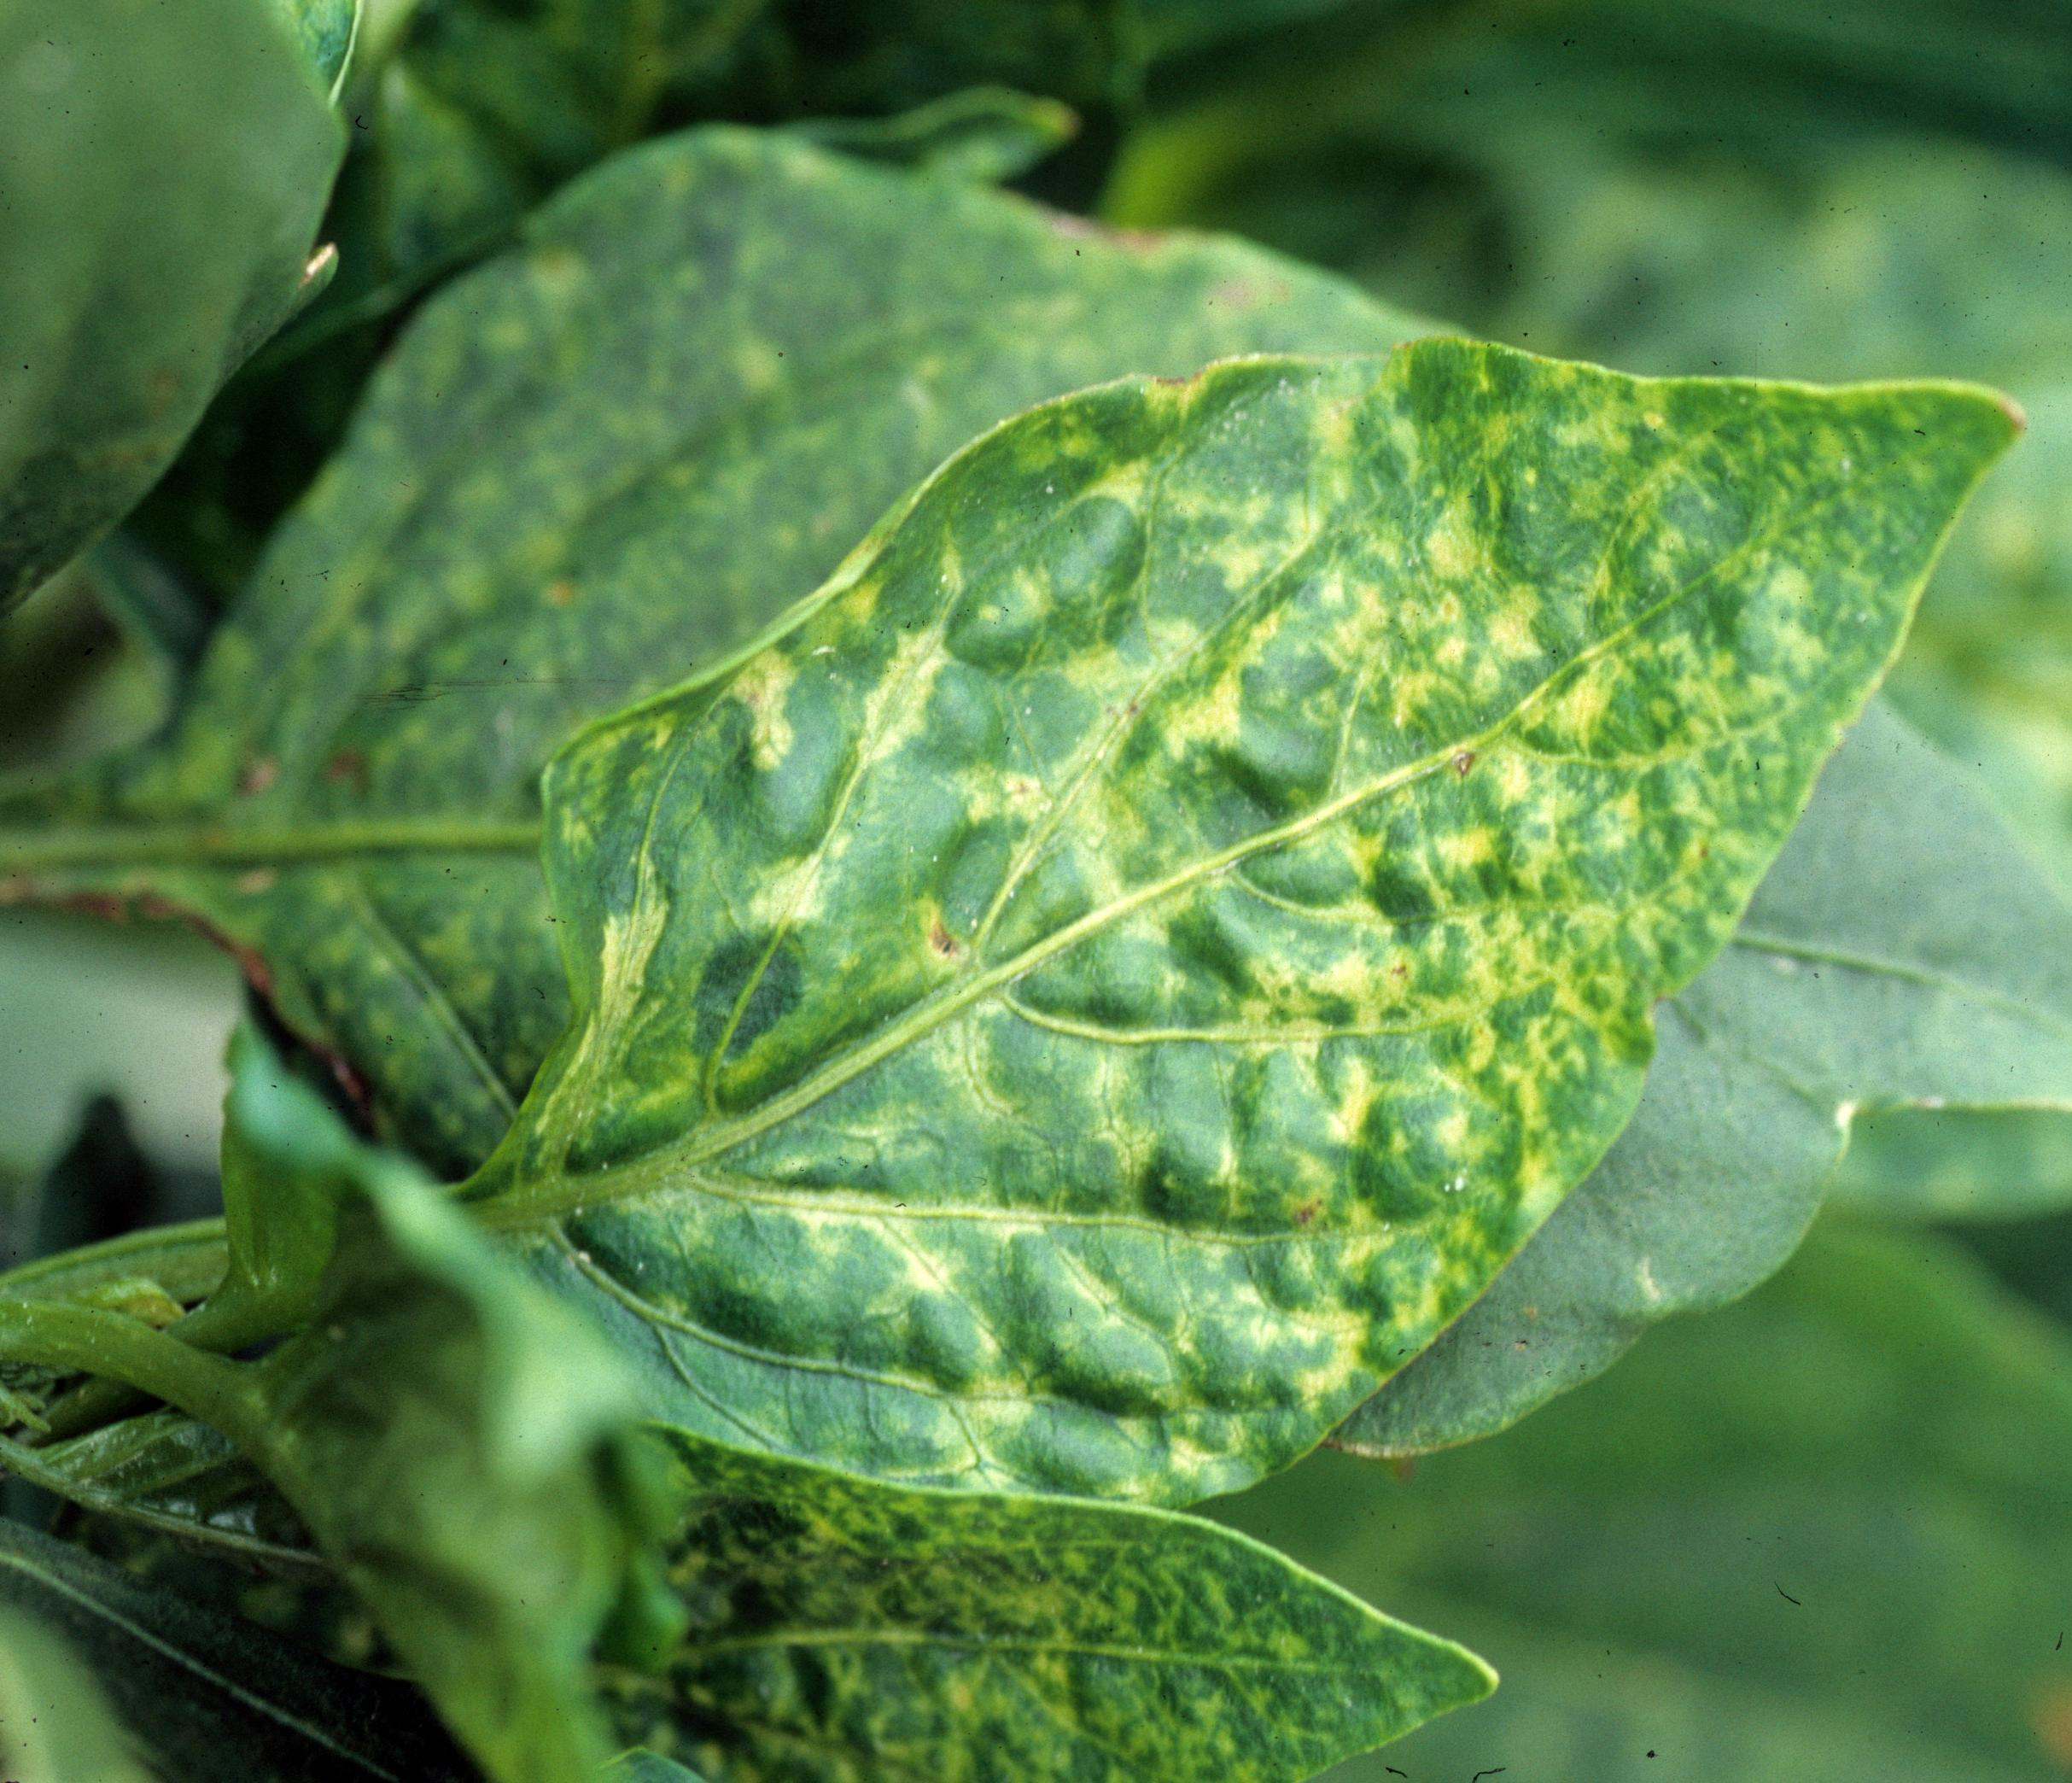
166	170
1958	1164
458	1442
647	1767
205	1699
55	1726
1901	951
845	1630
1822	1534
593	466
984	134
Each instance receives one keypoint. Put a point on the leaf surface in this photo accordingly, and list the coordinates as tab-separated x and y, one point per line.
1139	950
852	1632
1821	1533
204	1697
167	172
1902	951
591	466
459	1444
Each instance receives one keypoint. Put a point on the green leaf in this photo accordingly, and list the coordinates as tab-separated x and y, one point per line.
987	134
459	1445
326	30
55	1726
204	1697
649	1767
855	1632
596	463
1137	952
1902	950
167	171
1819	1534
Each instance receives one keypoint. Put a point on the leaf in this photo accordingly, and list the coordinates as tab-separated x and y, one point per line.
166	170
1137	953
985	134
326	30
1821	1533
442	1427
55	1724
204	1697
599	462
647	1767
459	1445
857	1633
1901	951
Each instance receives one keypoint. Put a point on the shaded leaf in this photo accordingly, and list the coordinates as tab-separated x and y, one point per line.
591	466
1822	1534
1902	949
55	1726
851	1632
166	170
1136	954
204	1697
984	133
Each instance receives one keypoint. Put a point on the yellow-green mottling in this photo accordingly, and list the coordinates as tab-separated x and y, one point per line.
589	468
844	1631
1134	954
1903	950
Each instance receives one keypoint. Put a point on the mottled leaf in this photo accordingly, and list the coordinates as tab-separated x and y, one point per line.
167	167
591	466
201	1697
1819	1534
1138	951
848	1632
1902	950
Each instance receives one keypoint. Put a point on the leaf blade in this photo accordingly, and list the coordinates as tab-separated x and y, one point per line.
794	1025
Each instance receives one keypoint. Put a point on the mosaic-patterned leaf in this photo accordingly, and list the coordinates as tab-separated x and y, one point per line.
1136	954
1902	951
591	467
166	169
849	1632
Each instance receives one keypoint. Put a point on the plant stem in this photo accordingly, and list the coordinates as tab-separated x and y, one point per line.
91	1340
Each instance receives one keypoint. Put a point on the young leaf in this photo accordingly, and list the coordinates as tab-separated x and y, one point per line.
1821	1533
598	463
1136	954
854	1632
1902	950
166	169
201	1697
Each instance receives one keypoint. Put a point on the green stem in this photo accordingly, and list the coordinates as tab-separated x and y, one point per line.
186	844
90	1340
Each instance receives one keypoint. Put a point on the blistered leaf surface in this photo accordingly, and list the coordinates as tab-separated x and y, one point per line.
1140	950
